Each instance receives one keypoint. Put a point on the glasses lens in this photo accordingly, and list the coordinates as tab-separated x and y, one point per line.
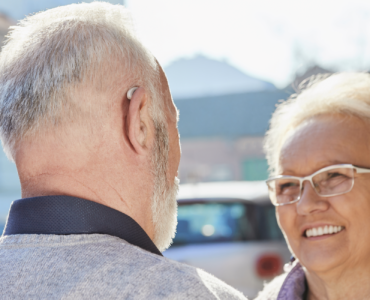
334	181
283	190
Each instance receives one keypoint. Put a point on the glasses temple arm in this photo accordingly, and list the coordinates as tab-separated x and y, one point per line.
362	170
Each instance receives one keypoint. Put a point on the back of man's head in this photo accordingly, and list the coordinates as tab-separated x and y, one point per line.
52	53
66	121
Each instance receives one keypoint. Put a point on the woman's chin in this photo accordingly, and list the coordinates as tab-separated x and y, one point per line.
322	263
323	253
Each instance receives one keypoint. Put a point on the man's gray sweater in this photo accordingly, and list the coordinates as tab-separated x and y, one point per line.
97	266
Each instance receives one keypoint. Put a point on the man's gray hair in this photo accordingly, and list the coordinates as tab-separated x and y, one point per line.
341	93
49	54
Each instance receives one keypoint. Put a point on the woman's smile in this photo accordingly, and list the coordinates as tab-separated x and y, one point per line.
322	231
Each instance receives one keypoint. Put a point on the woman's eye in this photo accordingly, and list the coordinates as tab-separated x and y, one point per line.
287	185
334	174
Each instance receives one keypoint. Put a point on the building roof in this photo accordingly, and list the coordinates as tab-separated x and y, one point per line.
230	116
201	76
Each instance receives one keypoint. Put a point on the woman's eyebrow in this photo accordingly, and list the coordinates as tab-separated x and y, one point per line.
290	172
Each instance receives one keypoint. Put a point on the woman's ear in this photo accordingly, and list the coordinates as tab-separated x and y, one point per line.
139	125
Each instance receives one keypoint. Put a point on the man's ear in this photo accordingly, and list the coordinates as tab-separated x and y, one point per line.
139	125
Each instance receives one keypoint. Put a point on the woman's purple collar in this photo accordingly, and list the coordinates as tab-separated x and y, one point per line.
294	286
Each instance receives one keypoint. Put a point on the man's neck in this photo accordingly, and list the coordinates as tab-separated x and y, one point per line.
45	184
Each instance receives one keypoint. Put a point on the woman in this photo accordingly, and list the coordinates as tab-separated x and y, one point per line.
318	149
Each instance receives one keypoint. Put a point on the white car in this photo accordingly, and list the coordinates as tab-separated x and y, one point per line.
229	229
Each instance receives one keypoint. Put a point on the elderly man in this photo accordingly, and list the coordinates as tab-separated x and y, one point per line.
87	116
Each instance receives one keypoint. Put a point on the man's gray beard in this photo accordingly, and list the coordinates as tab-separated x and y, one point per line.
164	204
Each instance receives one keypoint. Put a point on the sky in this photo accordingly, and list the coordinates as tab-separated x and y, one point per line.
268	39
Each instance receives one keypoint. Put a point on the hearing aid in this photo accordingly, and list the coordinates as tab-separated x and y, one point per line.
131	91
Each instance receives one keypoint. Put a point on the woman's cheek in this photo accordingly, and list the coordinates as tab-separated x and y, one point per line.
286	216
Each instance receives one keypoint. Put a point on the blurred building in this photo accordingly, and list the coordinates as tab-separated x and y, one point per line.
221	136
224	114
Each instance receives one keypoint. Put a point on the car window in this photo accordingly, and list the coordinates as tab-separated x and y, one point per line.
222	222
267	223
214	222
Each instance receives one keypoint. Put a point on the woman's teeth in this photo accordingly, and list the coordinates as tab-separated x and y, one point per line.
323	230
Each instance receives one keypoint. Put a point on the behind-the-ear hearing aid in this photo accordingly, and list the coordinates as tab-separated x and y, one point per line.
131	91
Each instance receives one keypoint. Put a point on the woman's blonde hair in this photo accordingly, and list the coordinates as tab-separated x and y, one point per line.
343	93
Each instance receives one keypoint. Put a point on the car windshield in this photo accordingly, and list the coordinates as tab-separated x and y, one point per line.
222	222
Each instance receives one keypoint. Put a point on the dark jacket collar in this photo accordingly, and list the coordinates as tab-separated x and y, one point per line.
63	215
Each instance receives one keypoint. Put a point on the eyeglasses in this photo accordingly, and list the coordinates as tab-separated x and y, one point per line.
327	182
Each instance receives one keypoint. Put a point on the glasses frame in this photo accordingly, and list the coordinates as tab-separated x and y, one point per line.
358	170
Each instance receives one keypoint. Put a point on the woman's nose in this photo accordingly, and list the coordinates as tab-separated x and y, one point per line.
310	202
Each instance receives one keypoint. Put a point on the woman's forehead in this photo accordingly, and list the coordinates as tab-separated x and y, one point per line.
323	141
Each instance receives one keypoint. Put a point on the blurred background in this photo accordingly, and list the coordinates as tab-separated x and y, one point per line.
228	64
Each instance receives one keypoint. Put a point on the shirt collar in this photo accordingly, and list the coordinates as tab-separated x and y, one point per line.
63	215
295	285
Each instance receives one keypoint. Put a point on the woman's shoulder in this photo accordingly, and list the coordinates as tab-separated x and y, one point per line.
290	285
